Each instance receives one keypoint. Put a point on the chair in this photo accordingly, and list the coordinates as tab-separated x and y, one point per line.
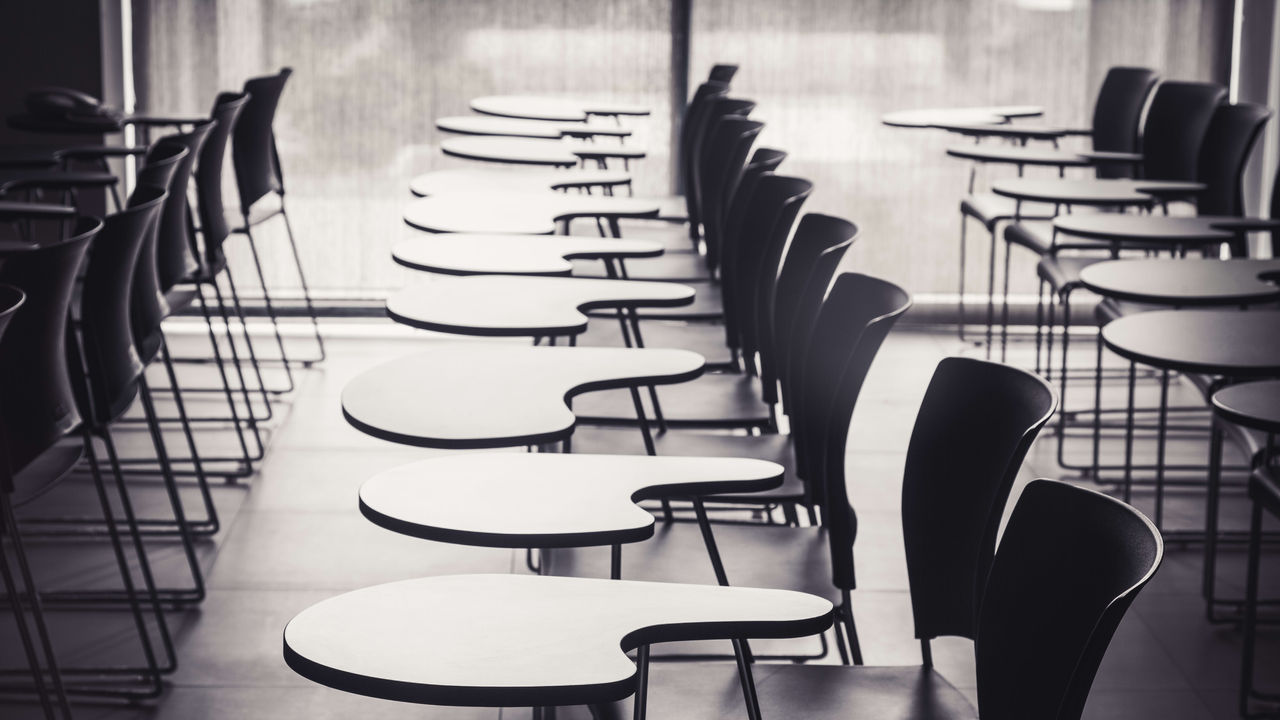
1264	493
258	173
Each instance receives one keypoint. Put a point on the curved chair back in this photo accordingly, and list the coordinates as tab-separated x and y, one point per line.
253	148
763	161
1117	114
819	244
11	298
693	130
1176	123
37	399
1232	133
722	72
976	423
213	217
854	321
175	245
149	307
1275	213
760	254
109	353
724	157
1069	565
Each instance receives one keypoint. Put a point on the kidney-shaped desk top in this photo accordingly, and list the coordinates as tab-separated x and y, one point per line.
1092	191
933	117
522	640
519	306
1185	282
477	254
513	179
526	151
535	107
470	395
519	213
516	127
1234	343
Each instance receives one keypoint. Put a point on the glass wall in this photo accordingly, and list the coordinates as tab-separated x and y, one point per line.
356	121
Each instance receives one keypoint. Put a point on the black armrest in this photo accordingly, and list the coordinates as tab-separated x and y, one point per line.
10	210
90	152
161	120
55	179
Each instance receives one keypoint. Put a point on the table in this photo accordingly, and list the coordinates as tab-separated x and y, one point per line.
478	254
493	395
546	500
520	213
1092	191
525	151
1019	155
1159	230
521	306
513	127
1021	133
523	179
522	640
533	107
933	117
1184	282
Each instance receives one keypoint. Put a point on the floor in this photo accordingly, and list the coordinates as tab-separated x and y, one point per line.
291	536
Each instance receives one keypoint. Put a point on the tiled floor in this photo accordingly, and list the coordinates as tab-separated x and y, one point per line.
292	535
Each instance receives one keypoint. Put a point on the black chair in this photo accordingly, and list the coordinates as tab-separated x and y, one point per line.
1264	493
722	72
854	320
258	173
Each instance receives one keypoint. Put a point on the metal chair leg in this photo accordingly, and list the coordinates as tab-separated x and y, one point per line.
306	290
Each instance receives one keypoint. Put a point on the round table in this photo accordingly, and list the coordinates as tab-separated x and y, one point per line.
477	254
1159	230
526	151
1092	191
534	107
522	213
933	117
1018	155
515	127
1021	133
1184	282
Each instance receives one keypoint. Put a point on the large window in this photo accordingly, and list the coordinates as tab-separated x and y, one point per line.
356	121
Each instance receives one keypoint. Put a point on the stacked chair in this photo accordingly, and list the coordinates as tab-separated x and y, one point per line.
621	541
86	301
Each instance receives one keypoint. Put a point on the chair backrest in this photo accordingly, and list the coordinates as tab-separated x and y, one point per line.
175	245
693	129
253	147
761	246
722	72
855	318
11	299
1117	114
149	307
724	157
209	205
1275	213
819	244
37	399
109	354
976	423
1069	565
1228	142
763	161
1176	123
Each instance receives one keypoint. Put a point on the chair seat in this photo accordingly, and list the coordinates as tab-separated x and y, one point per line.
773	447
706	339
1264	488
1111	309
989	209
1062	272
673	208
715	400
707	305
777	557
47	469
679	266
709	690
179	298
1034	235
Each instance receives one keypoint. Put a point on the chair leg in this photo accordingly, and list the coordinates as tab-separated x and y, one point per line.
266	300
964	231
15	596
238	365
851	629
234	293
210	524
306	290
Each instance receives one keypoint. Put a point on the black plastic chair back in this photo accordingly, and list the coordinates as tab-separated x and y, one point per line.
1117	114
213	217
760	254
1275	213
1176	123
724	158
763	161
109	353
854	321
175	246
37	400
722	72
11	299
976	423
149	307
253	147
816	250
1232	133
1069	565
693	130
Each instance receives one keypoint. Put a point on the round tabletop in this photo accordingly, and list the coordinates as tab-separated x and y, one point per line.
1195	281
933	117
1254	405
1018	132
518	179
526	151
476	254
1018	155
515	127
1232	343
544	500
534	107
1090	191
521	306
522	640
492	395
1157	229
520	213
